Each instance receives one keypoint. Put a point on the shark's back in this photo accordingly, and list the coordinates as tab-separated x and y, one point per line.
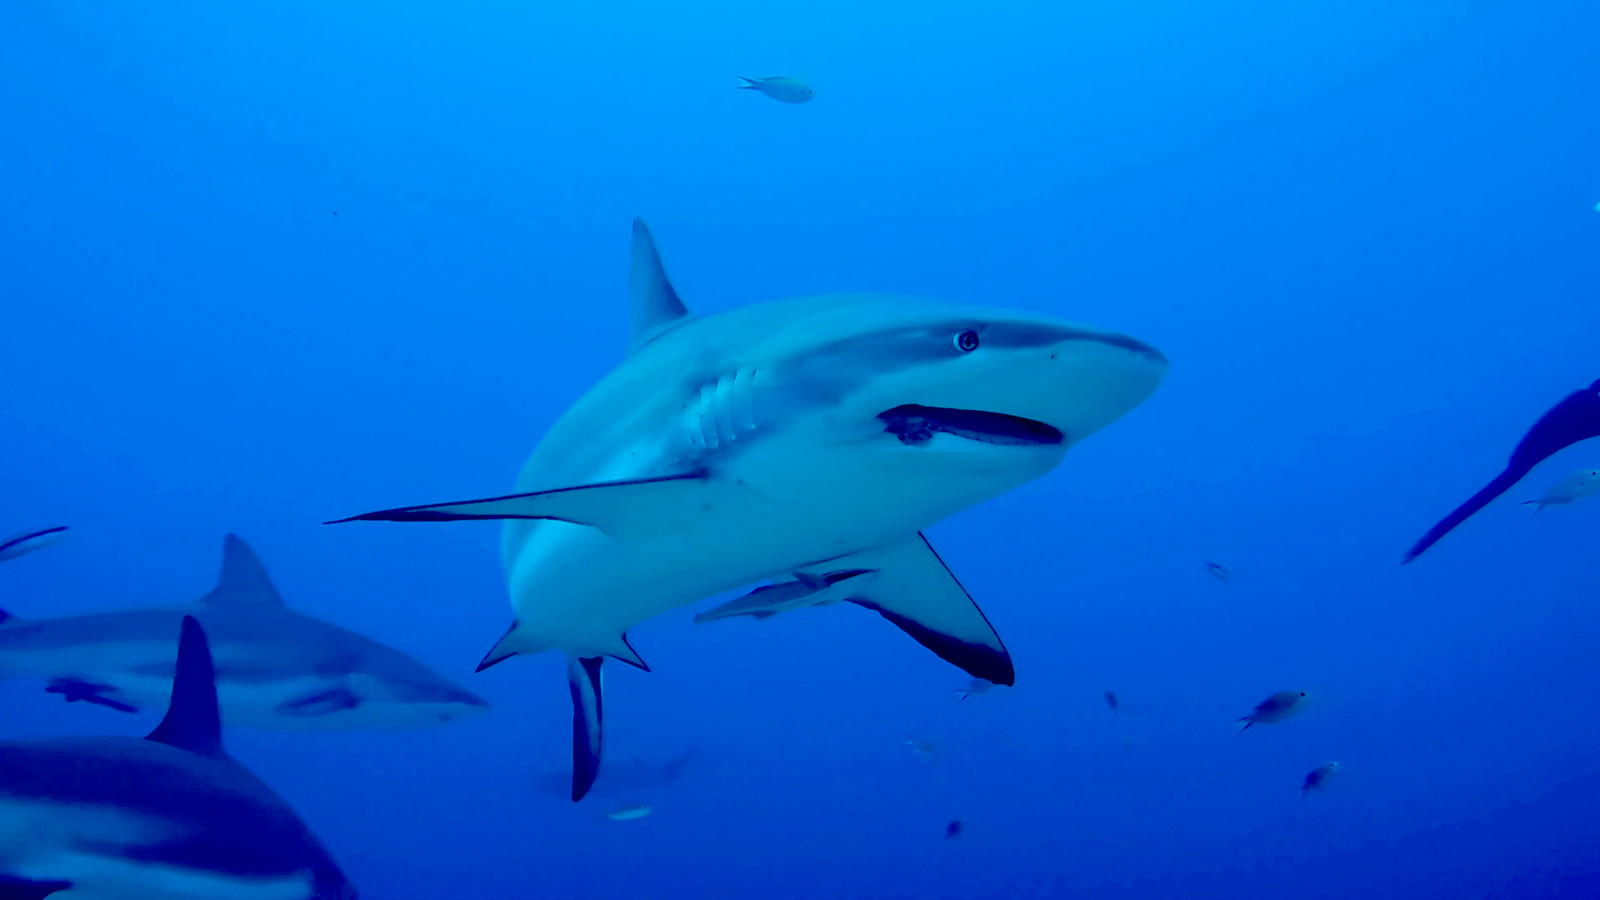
697	347
222	817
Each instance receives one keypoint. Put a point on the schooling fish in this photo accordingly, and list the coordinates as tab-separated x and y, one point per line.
628	813
26	542
1275	708
1570	489
1219	573
787	90
1574	419
1316	777
953	830
1111	701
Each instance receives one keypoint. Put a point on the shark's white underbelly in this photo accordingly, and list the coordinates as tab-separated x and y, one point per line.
798	502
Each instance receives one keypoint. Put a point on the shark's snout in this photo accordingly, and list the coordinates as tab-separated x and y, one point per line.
1092	380
464	703
1138	348
1020	384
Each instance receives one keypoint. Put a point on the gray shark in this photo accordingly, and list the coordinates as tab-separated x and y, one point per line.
170	816
629	777
276	668
792	439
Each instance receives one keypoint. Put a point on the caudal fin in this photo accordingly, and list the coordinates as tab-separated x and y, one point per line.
588	722
753	85
1493	489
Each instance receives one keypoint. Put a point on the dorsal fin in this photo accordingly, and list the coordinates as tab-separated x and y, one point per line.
192	722
653	306
243	580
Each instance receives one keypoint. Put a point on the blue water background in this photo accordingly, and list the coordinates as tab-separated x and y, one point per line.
265	265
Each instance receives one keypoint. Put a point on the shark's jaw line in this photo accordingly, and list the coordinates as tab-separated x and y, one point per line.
915	425
737	448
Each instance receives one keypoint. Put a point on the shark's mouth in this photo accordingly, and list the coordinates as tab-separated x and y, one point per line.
914	425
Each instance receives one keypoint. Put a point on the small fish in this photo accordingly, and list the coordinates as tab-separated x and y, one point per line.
1275	708
953	830
928	750
628	813
778	87
1111	701
26	542
1570	489
806	589
1316	777
1219	573
975	686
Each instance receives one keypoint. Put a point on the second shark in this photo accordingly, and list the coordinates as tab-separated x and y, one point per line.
276	668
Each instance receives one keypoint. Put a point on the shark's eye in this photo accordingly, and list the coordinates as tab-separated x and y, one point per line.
967	341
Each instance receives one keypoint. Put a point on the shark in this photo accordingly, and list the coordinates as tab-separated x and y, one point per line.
800	439
276	668
629	777
169	817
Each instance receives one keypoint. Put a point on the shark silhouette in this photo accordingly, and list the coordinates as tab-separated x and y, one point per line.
276	668
793	439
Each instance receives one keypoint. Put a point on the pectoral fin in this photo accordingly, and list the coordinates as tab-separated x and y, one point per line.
74	690
916	591
623	509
